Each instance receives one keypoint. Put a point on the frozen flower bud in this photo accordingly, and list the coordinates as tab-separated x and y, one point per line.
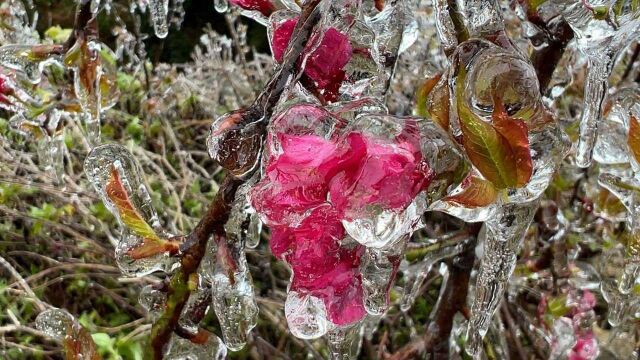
235	141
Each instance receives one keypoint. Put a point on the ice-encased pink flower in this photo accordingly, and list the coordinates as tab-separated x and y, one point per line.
297	180
266	7
306	159
321	266
586	348
325	62
389	176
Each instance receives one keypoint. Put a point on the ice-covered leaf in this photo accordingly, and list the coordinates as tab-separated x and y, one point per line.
76	341
476	192
499	150
633	139
151	244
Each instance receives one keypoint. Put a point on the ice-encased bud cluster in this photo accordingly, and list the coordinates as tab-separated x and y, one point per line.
94	68
328	190
111	166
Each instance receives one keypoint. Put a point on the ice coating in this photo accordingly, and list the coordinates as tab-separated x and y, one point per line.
427	255
322	181
234	304
182	349
95	72
344	342
504	234
233	297
159	10
17	27
28	59
600	39
135	253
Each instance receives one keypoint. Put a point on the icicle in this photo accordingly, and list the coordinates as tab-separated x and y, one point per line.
625	190
30	60
221	6
595	90
344	342
95	6
144	247
159	11
504	234
183	349
414	279
306	315
235	305
233	298
254	230
379	268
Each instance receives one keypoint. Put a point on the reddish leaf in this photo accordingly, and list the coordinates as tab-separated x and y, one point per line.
78	344
633	138
151	243
516	133
476	192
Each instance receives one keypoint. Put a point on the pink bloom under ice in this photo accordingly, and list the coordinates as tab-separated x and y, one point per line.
319	172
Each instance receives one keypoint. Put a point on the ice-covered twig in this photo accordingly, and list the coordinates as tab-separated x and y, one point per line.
213	221
551	41
84	16
452	299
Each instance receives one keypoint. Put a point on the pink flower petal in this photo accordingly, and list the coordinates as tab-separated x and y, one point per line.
266	7
324	66
389	176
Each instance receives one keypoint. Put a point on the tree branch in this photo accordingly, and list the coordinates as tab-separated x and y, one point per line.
452	300
549	43
195	245
81	24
